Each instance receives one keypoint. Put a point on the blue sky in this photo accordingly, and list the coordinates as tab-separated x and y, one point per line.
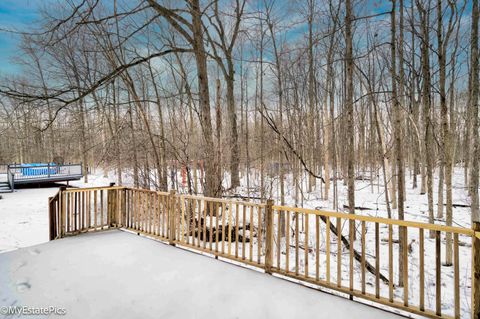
17	15
21	14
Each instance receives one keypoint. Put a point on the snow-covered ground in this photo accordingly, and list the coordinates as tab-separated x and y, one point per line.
115	274
24	213
24	222
369	194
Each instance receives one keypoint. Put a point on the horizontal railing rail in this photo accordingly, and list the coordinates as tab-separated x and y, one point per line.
396	263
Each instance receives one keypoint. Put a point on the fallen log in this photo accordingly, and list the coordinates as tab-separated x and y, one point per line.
358	207
356	254
197	231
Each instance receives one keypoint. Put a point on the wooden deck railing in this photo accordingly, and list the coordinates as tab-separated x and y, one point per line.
352	254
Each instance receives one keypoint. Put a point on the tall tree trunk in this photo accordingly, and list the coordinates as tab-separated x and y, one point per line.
427	109
232	114
213	187
398	143
349	104
474	178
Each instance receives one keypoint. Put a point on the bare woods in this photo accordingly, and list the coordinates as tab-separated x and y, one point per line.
277	97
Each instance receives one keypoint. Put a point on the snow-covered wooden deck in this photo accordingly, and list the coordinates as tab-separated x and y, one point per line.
117	274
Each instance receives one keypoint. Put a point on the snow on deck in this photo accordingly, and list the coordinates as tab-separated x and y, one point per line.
118	274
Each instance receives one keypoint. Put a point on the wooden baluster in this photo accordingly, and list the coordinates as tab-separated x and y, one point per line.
145	211
251	234
71	211
236	230
67	199
223	227
65	208
81	209
95	209
74	211
153	208
139	211
230	223
88	210
153	213
306	245
76	219
351	226
456	276
160	217
201	222
269	236
178	218
244	229
196	223
156	230
144	217
149	212
363	256
167	214
317	247
136	208
173	225
157	214
84	210
189	218
127	208
216	226
259	235
132	209
438	275
210	237
339	252
327	241
63	212
279	239
287	242
421	258
83	215
390	263
405	266
205	239
183	226
101	208
475	305
377	260
296	244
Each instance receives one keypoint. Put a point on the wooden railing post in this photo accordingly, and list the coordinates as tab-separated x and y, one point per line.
123	208
476	271
111	206
51	220
269	237
63	210
171	217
